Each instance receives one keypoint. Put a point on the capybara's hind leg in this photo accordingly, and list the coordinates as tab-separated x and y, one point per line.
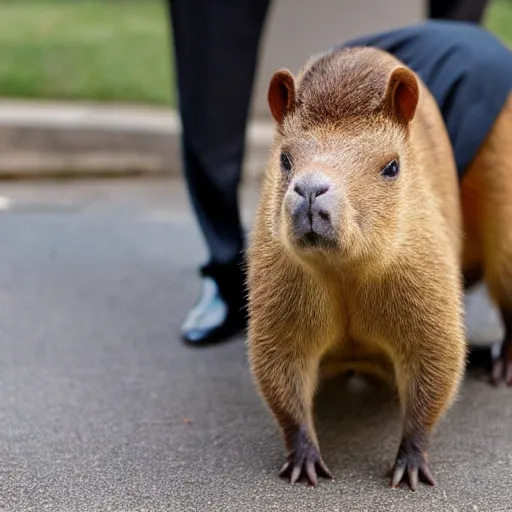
502	367
487	205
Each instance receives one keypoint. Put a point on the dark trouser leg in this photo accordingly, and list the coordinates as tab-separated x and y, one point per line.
216	46
460	10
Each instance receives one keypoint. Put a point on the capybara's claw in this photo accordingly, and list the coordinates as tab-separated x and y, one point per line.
502	371
310	468
304	461
411	465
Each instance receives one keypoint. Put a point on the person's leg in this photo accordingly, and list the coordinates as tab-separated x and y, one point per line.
460	10
216	46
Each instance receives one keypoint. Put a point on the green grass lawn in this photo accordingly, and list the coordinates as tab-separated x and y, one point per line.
112	50
85	49
499	19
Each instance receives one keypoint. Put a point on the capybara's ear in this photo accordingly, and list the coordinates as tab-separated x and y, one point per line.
281	94
402	94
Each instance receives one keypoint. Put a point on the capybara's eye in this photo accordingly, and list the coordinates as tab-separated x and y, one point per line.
391	169
286	163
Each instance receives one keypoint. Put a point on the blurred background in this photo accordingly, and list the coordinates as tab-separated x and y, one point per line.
104	69
118	50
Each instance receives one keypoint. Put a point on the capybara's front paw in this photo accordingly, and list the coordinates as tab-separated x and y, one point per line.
502	367
411	465
304	460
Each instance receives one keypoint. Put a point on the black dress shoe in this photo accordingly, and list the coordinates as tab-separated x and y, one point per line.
212	319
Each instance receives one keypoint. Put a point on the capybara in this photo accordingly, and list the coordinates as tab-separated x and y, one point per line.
371	214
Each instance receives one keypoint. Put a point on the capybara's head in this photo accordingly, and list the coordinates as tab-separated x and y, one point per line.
342	164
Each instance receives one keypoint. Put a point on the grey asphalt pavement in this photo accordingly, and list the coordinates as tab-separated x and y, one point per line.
103	409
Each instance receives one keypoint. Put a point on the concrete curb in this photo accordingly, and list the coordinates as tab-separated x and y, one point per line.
49	139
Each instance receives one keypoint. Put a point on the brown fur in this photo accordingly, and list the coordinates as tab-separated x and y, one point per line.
486	196
387	301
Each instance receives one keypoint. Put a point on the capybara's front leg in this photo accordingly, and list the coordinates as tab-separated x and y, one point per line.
287	380
426	390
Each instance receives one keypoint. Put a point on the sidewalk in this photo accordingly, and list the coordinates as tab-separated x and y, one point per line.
103	409
48	139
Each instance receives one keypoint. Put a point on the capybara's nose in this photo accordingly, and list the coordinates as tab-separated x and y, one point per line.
311	187
311	200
